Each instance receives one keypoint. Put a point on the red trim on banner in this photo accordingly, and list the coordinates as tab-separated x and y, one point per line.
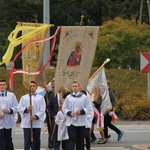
13	71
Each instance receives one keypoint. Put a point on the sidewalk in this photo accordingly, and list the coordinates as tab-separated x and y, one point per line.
135	125
140	147
129	126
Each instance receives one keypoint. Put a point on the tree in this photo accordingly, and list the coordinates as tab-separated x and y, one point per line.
16	11
66	13
122	41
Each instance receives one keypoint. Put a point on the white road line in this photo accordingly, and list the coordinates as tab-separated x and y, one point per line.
40	149
109	148
97	148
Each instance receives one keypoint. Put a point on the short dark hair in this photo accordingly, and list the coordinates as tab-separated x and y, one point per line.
33	82
2	80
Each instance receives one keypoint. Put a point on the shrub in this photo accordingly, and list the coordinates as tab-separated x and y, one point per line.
130	88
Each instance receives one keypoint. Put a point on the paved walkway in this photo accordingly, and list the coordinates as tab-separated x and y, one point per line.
127	126
133	125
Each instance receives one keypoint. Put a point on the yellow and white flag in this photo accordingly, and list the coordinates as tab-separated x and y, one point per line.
100	80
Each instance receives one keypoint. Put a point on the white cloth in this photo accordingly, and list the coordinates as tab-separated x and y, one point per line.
62	133
74	103
38	109
89	115
59	98
9	101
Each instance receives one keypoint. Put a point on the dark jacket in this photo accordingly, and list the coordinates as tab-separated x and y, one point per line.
112	96
97	104
53	105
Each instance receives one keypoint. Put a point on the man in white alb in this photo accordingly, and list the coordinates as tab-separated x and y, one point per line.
76	106
8	110
37	117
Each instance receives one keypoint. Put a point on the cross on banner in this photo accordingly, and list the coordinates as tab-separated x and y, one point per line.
29	57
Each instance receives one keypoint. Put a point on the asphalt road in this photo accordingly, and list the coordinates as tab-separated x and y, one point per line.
135	132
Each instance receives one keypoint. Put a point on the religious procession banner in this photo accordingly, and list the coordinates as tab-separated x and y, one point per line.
30	31
16	40
100	80
29	57
75	56
33	54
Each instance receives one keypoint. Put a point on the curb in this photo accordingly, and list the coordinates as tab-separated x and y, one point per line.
137	147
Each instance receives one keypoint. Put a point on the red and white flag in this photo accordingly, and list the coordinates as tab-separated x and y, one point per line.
113	115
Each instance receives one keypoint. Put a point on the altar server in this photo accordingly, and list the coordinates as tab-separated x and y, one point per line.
8	110
32	123
76	106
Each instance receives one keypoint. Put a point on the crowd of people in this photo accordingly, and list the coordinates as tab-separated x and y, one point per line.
69	115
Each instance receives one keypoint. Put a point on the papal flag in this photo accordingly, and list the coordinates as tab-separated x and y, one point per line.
100	80
75	57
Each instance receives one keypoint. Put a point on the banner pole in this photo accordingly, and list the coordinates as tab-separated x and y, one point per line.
81	21
105	62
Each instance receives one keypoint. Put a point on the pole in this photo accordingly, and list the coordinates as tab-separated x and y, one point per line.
105	62
81	21
29	57
148	85
148	4
30	116
29	75
46	20
141	10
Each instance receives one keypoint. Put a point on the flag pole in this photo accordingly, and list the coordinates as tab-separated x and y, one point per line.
105	62
30	116
29	75
81	21
29	57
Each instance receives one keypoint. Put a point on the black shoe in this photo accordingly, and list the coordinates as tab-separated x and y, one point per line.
106	138
102	142
50	145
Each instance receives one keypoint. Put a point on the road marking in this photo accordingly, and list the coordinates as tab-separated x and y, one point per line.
109	148
40	149
97	148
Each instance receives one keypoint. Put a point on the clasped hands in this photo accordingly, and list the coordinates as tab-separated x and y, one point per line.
75	113
1	115
4	111
29	108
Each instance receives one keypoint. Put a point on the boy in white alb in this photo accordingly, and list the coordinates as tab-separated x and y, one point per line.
76	106
8	109
62	134
37	118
